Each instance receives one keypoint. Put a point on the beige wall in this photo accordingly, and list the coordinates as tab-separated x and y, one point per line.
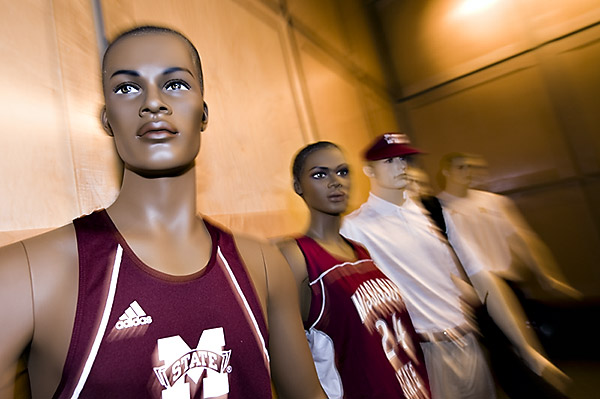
276	79
516	81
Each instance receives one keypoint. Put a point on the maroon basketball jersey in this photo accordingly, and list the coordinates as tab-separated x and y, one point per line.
376	349
140	333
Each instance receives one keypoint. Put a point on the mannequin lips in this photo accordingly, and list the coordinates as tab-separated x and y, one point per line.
337	196
156	131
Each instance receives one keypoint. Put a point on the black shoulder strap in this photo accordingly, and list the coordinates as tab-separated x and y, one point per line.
434	207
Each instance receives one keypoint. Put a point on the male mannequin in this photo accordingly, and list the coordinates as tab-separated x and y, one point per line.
409	248
155	111
492	225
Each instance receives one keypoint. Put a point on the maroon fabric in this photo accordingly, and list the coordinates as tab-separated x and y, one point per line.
390	145
164	328
377	352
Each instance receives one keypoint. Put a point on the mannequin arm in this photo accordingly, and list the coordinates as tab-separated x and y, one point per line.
295	258
16	319
292	366
505	310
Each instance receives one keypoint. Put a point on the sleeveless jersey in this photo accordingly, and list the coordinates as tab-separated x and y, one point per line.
140	333
357	313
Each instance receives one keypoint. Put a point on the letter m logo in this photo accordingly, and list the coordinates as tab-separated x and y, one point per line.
180	361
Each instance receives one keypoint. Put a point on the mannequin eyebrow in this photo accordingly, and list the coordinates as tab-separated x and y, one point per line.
125	72
176	69
325	168
319	168
165	72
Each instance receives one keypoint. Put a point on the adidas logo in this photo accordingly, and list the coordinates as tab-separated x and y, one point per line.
134	316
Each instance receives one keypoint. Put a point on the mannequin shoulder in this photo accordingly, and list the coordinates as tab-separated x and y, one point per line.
295	258
54	249
259	254
265	262
290	250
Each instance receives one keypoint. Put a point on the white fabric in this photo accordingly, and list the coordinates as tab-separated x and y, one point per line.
485	224
323	354
409	249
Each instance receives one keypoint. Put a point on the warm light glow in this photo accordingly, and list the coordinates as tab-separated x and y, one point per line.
468	7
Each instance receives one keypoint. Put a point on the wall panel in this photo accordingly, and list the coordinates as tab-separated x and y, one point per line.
573	79
38	179
566	225
506	116
342	28
96	165
430	42
339	111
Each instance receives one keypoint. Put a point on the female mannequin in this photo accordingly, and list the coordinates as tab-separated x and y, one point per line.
353	315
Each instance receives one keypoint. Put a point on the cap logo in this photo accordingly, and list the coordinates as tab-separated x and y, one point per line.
396	138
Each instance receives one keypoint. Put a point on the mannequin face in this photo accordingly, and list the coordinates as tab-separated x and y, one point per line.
459	173
388	173
325	181
154	104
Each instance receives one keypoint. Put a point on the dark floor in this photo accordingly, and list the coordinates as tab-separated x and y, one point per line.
586	378
569	334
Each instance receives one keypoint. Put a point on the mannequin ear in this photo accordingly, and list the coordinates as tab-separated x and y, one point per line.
297	187
105	124
368	170
204	118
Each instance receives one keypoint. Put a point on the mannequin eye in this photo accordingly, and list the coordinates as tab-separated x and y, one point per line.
126	88
176	85
343	172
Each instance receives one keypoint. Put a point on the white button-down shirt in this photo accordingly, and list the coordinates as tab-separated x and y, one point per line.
409	249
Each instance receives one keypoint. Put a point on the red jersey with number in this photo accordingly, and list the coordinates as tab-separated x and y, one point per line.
358	324
140	333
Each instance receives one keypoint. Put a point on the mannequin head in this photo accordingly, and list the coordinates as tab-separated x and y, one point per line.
459	170
387	173
155	109
322	178
147	29
386	163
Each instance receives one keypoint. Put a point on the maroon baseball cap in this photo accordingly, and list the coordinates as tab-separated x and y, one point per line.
389	145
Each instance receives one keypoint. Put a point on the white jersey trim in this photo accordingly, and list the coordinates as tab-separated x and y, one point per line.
247	306
322	275
319	280
103	323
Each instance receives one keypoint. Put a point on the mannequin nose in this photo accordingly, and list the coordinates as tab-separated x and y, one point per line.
334	182
154	103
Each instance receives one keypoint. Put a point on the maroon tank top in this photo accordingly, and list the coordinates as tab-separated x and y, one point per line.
140	333
377	352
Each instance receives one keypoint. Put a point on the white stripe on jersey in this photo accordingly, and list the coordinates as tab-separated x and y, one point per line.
247	306
102	327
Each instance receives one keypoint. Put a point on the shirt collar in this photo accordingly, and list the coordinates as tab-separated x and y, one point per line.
387	208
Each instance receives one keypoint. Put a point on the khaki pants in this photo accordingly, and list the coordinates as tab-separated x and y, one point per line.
458	372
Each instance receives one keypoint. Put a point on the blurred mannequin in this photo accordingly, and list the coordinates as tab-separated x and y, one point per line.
420	187
492	226
145	298
352	313
406	245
